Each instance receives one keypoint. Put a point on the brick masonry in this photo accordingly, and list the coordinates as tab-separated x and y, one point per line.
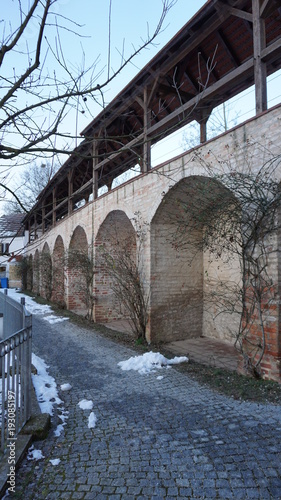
175	279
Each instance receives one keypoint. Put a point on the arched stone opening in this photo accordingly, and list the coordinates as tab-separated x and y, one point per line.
58	272
78	270
29	273
188	275
36	273
46	272
115	240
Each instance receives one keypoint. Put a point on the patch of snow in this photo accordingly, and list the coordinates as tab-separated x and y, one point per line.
52	319
34	308
55	461
92	420
148	361
59	430
34	454
160	377
66	387
45	386
85	404
63	415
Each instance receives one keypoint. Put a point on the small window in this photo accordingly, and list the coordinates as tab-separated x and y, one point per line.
4	248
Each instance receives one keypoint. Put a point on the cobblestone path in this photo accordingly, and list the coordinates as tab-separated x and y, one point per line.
158	439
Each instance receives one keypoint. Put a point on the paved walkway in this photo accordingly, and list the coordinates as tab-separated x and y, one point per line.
154	438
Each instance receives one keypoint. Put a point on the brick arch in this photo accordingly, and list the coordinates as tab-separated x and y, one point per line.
46	272
77	261
36	272
114	206
58	291
115	234
181	270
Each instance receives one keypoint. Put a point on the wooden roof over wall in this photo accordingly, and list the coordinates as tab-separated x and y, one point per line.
210	60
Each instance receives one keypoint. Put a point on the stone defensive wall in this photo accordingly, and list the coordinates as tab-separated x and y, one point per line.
178	280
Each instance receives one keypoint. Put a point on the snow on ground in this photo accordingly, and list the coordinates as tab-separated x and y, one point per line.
34	454
59	429
46	391
45	386
52	319
65	387
149	362
55	461
34	308
92	420
85	404
63	417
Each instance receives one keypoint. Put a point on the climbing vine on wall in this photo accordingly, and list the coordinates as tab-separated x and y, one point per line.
237	212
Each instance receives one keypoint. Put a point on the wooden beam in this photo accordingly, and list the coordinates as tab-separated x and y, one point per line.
191	81
135	142
151	94
270	49
203	131
186	48
140	101
242	14
35	226
95	179
238	73
70	191
181	95
54	214
267	7
43	218
146	164
259	41
227	47
204	117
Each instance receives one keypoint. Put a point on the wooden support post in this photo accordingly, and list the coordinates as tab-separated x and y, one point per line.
35	226
43	219
70	192
202	118
29	229
54	206
146	164
95	172
203	131
259	41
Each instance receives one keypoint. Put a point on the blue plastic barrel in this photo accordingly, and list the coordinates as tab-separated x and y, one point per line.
4	282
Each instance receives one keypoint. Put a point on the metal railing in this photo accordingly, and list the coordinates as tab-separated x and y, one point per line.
15	367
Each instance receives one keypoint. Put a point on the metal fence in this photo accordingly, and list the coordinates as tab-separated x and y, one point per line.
15	367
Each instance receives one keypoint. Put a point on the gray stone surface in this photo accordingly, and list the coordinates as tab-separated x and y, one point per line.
169	438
